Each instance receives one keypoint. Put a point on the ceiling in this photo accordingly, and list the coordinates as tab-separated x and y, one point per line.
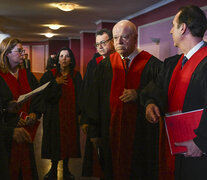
25	19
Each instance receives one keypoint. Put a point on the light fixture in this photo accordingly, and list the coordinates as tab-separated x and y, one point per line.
49	35
66	6
54	26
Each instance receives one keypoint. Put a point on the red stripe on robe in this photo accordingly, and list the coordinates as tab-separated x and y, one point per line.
123	115
176	95
20	153
99	59
67	118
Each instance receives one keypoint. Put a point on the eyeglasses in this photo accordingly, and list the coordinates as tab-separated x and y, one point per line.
19	50
102	43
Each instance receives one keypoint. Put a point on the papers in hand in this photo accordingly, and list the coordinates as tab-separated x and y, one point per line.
23	98
180	127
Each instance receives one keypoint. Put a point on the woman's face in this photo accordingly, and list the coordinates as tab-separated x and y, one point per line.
64	58
16	55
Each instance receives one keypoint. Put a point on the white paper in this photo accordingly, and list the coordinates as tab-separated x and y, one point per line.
24	97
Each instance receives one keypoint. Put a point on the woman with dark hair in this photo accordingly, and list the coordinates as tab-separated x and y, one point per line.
15	81
60	124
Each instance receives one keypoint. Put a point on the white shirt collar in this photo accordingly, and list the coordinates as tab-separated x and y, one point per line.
132	55
194	49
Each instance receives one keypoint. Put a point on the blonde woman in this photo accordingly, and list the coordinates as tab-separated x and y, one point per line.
14	82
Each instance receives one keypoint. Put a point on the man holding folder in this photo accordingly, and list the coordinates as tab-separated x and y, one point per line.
182	86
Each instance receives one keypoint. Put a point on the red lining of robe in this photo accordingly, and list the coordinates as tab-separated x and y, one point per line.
20	153
121	131
176	95
67	118
99	59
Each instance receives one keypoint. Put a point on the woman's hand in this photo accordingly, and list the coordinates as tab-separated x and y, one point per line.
31	119
62	80
21	135
13	106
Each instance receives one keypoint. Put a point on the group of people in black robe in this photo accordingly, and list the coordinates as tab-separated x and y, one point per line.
130	92
58	103
119	106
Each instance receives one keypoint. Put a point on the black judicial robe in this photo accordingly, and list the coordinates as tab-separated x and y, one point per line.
88	159
10	120
196	98
100	113
4	132
51	140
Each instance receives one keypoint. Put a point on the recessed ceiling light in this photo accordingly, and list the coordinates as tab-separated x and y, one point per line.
54	26
49	35
66	6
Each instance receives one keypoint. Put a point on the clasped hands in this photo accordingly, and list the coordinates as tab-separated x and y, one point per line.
153	116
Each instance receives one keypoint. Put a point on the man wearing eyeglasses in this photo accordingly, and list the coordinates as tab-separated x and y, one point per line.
104	46
115	109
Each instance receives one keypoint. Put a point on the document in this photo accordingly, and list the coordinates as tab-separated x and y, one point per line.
23	98
180	127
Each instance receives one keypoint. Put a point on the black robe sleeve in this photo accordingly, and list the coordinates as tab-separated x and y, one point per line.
78	83
36	105
155	92
100	92
53	92
85	88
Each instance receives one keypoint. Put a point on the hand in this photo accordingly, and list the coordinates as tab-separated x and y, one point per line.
21	135
84	128
128	95
152	113
21	122
192	149
62	80
13	106
31	119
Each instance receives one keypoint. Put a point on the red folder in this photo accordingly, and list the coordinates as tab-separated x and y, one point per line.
180	127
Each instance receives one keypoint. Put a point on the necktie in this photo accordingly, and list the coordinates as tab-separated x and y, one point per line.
185	59
126	63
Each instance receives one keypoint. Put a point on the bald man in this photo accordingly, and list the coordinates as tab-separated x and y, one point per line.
115	103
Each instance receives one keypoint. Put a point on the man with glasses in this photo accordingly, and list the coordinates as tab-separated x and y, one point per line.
104	46
115	109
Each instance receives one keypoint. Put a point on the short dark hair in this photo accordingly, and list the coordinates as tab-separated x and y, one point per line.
194	18
104	30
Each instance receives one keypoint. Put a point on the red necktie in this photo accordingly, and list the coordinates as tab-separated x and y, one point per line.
126	63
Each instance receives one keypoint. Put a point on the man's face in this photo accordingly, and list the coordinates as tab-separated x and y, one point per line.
176	31
104	45
124	39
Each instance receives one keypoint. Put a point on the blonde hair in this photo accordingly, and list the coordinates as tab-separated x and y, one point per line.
5	47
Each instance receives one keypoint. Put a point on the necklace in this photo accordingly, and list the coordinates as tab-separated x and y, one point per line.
15	74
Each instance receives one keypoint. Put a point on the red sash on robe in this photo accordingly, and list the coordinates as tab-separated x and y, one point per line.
99	59
20	153
123	115
67	118
176	95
